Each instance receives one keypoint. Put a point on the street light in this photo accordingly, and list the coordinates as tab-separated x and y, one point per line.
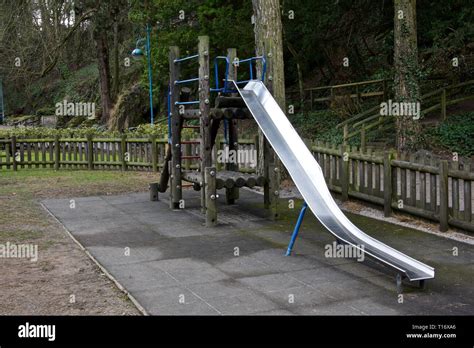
138	53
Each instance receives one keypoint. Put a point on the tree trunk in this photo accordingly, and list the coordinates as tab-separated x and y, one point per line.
269	43
104	72
406	88
116	77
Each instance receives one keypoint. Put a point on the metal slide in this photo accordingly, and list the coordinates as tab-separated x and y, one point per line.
309	179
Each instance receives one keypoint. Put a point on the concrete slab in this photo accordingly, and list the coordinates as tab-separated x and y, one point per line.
173	265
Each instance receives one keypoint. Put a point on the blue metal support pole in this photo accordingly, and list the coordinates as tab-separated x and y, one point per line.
150	79
297	229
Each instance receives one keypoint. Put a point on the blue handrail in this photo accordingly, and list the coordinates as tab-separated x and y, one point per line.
216	73
181	82
179	60
187	103
250	60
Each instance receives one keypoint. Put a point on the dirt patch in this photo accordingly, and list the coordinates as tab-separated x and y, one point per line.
63	280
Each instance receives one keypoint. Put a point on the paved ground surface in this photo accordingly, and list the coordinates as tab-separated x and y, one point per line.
172	264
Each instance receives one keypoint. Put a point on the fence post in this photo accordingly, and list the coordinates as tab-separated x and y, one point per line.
15	168
443	104
387	184
345	134
443	196
362	139
123	151
344	172
211	196
57	153
154	154
90	153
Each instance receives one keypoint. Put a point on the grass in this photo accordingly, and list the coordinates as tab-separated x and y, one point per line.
22	217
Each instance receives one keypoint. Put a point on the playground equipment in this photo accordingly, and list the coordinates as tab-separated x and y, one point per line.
255	101
309	178
228	108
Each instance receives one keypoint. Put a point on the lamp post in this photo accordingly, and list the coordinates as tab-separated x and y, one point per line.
138	53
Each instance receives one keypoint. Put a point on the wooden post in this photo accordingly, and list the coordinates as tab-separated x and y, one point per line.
443	104
57	153
362	140
274	190
311	99
15	166
153	187
344	178
204	108
211	196
233	193
443	196
123	152
467	195
358	94
387	184
187	152
90	153
154	154
175	177
346	133
385	91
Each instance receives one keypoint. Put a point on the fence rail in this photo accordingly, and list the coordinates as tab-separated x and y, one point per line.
419	185
434	189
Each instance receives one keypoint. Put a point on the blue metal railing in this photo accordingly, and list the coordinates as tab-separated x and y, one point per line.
216	73
179	60
182	82
250	60
187	103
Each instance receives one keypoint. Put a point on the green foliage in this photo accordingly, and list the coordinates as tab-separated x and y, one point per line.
456	134
159	130
319	125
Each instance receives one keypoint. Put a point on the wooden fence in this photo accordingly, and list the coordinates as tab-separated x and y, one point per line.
100	153
356	90
423	186
427	187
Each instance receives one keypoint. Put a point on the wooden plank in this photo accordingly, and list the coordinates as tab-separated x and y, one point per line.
154	154
90	153
433	190
36	153
403	180
28	154
467	196
43	154
412	174
443	194
123	152
454	192
344	177
57	153
422	203
370	172
8	155
387	180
